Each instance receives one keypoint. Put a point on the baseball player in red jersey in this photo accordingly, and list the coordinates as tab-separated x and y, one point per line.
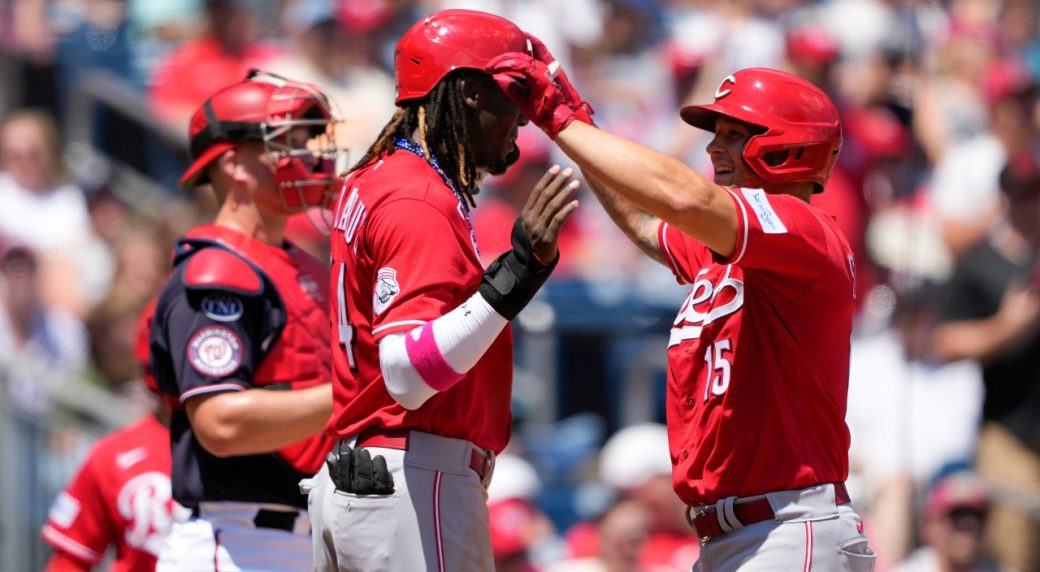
423	352
758	355
121	495
240	333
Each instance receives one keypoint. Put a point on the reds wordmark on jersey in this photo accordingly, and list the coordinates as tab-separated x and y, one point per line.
762	340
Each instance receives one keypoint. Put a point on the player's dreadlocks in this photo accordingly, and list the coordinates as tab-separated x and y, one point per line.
441	123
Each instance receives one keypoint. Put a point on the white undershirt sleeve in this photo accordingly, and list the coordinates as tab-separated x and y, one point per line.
439	353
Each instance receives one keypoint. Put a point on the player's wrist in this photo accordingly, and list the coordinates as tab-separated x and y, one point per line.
541	261
513	279
563	115
584	112
508	285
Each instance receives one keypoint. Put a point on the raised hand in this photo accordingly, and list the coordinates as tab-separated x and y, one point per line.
571	96
530	84
514	278
548	206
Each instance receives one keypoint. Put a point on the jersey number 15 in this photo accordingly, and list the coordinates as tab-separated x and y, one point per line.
718	368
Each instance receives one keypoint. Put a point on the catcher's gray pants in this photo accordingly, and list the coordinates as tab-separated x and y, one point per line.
809	532
224	537
436	520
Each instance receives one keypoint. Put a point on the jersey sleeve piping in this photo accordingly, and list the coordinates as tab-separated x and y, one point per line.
394	327
742	240
216	388
70	546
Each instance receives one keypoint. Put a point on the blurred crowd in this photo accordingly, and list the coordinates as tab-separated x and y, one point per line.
937	189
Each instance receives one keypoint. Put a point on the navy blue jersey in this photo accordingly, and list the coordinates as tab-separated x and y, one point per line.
237	314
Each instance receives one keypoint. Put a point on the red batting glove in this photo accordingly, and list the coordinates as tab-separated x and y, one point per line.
541	53
529	84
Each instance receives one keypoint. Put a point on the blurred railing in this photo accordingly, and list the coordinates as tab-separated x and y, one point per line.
113	137
39	453
41	450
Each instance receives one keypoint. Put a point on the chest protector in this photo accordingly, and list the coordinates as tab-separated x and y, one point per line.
296	354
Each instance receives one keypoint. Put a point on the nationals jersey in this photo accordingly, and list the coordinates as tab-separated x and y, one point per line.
403	253
238	314
120	497
758	357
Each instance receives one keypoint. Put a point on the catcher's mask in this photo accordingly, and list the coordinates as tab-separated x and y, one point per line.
270	109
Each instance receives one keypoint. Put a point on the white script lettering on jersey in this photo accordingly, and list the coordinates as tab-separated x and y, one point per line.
349	216
700	307
150	511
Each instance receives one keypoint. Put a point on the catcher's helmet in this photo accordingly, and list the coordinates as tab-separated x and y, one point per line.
264	108
449	40
802	131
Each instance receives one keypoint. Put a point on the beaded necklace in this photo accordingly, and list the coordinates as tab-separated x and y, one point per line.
411	147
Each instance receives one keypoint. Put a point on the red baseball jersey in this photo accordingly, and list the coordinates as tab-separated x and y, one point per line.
403	253
758	356
120	497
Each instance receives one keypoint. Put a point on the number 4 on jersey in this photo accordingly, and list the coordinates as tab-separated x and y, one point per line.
346	329
717	367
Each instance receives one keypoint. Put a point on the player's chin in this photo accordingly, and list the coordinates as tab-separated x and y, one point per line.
505	163
724	179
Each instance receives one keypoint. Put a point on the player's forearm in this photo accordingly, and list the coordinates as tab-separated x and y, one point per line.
638	225
981	340
434	357
655	183
259	420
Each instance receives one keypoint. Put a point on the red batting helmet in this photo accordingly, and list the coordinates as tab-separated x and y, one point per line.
449	40
264	108
802	131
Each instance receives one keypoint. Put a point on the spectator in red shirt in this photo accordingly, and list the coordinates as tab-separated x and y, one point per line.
229	48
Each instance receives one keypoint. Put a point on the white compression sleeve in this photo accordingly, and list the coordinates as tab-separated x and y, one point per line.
439	353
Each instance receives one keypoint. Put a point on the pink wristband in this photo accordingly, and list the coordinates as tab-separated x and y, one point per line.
427	359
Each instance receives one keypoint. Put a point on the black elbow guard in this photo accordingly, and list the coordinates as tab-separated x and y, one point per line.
514	278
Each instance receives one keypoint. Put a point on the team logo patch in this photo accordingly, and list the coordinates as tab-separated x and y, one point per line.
215	351
386	289
222	308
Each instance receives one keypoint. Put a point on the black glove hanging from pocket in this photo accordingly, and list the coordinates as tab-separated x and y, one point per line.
355	471
339	461
370	475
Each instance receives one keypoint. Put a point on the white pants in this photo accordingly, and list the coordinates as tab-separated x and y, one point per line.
223	538
436	520
809	532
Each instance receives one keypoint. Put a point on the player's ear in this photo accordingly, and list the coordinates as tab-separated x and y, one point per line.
470	88
230	165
